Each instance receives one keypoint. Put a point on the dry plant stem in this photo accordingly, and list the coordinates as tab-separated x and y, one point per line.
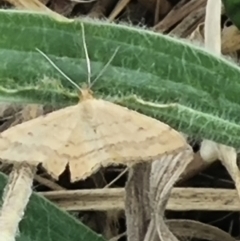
152	233
137	208
163	185
164	174
181	199
15	198
189	23
212	26
178	13
118	9
48	183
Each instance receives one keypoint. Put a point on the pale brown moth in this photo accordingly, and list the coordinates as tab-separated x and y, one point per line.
89	135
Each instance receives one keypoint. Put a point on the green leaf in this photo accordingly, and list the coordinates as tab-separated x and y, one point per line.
156	68
43	221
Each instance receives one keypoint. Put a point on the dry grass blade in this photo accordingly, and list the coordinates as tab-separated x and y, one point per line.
197	230
164	174
181	199
118	8
189	23
179	12
48	183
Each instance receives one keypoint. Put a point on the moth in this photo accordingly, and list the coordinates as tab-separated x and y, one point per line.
88	135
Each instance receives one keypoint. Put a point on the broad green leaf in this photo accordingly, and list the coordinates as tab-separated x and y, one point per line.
156	68
43	221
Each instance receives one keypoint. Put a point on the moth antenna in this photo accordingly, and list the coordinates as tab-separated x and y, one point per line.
86	55
105	67
59	70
